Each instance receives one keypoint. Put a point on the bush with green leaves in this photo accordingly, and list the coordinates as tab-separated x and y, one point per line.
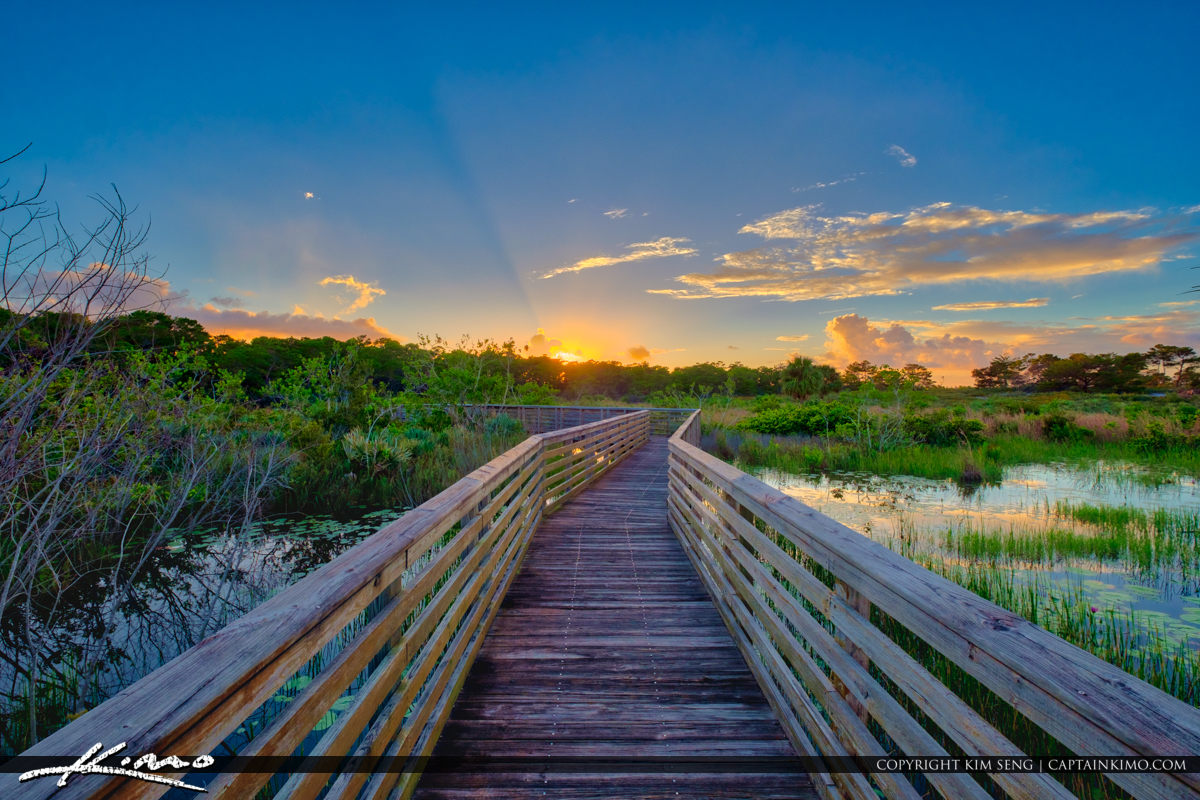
941	427
502	425
1157	439
815	418
1058	427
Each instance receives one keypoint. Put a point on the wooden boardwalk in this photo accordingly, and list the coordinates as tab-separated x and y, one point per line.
608	672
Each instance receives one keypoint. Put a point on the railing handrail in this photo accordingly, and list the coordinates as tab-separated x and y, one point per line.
188	706
723	516
679	409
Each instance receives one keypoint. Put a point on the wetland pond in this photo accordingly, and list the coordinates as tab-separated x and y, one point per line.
191	586
1110	538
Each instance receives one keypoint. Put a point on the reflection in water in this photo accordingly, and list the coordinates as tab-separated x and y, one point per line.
189	588
925	519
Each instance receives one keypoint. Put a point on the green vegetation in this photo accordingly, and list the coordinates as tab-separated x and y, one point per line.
963	435
119	453
1147	543
1129	639
1016	570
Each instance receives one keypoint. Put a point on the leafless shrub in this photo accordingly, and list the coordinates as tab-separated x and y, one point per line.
98	465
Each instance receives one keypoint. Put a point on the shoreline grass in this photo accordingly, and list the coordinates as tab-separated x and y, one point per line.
968	464
1145	543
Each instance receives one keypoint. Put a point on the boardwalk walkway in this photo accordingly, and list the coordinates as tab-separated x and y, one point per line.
607	649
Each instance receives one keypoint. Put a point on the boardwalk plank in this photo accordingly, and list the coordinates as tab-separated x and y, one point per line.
608	649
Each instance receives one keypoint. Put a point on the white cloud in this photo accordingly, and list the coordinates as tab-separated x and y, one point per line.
826	184
365	293
885	253
659	248
616	213
905	158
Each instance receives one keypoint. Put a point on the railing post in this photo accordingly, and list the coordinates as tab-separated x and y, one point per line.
863	606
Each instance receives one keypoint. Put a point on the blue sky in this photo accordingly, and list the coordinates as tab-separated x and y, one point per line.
938	184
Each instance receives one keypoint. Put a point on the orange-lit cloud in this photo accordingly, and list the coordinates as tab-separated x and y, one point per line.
854	338
991	305
542	345
953	349
660	248
639	353
242	324
886	253
801	338
1144	330
364	293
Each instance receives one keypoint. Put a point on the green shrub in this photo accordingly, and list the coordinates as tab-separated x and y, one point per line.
1058	427
940	428
816	418
766	402
504	426
1157	439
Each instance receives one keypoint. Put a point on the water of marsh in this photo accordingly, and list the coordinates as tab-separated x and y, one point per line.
191	586
1118	535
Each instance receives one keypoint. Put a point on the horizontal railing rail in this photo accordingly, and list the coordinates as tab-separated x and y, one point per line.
541	419
862	652
374	645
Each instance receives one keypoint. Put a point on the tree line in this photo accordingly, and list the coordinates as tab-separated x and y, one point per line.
1161	367
489	371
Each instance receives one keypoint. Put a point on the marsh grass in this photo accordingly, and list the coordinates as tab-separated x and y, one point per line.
1150	544
980	463
1113	640
802	454
1122	636
1010	569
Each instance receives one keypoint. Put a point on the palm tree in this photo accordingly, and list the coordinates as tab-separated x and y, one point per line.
801	378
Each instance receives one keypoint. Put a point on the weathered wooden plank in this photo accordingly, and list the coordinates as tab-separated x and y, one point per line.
345	730
798	713
580	664
431	670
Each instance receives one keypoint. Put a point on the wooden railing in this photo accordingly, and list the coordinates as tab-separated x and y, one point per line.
538	419
383	637
848	640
